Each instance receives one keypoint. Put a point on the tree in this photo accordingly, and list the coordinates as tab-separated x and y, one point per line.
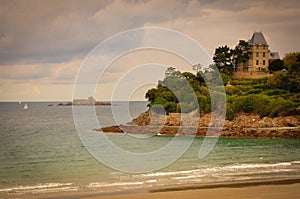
241	53
288	79
212	77
171	72
276	65
290	59
223	59
188	75
294	69
197	68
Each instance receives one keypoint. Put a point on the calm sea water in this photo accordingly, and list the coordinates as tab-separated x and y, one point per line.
40	151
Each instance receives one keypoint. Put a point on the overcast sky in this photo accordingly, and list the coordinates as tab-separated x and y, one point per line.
43	43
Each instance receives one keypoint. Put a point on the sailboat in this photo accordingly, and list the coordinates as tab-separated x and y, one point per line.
25	106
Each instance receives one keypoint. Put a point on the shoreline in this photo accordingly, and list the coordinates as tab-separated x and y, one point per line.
243	126
254	192
266	132
286	188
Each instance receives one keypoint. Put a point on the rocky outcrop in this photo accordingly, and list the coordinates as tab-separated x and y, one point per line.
243	126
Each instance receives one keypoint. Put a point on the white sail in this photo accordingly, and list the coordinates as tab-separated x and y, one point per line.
25	106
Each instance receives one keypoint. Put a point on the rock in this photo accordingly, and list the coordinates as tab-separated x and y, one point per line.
243	126
113	129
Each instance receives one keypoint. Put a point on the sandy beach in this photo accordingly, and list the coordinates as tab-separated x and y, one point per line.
291	191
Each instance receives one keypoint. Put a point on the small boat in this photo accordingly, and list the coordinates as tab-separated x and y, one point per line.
25	106
20	102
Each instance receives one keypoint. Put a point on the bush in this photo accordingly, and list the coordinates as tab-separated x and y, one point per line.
245	88
278	107
225	78
282	107
276	65
243	104
233	90
249	81
170	107
255	91
204	103
229	113
251	103
276	92
187	107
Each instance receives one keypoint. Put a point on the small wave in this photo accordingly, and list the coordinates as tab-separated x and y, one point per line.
184	177
169	173
41	187
151	181
249	166
219	168
103	184
295	162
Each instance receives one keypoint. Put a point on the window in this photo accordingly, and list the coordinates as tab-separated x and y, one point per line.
264	54
257	54
264	62
256	62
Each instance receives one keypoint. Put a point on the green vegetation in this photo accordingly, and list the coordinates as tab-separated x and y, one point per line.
227	59
278	95
276	65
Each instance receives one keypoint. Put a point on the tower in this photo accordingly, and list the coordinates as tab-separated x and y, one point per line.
259	53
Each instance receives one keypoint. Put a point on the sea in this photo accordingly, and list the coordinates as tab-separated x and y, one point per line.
41	152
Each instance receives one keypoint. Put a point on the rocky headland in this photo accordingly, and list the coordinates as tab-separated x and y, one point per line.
243	126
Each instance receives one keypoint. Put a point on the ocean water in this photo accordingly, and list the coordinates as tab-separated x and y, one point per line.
40	152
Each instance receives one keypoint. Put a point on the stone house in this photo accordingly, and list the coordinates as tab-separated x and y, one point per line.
260	55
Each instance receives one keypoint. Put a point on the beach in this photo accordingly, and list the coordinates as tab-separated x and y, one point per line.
256	192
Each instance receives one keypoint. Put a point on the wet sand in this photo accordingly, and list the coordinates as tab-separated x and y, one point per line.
291	191
278	189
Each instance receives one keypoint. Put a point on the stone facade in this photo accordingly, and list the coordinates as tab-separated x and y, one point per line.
260	54
259	58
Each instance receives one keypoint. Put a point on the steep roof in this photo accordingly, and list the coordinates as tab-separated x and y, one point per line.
258	39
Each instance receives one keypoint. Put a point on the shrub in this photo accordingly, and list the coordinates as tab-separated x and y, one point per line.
276	65
229	113
255	91
282	107
243	104
276	92
204	103
233	90
245	88
225	78
278	107
251	103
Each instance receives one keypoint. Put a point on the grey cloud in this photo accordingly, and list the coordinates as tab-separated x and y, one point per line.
234	5
57	31
46	31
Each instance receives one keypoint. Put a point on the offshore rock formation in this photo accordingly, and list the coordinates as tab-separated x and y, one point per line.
97	103
243	126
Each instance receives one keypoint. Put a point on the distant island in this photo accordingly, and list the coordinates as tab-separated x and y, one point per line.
84	102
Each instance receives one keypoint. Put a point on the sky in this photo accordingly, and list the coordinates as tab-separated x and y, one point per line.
45	44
